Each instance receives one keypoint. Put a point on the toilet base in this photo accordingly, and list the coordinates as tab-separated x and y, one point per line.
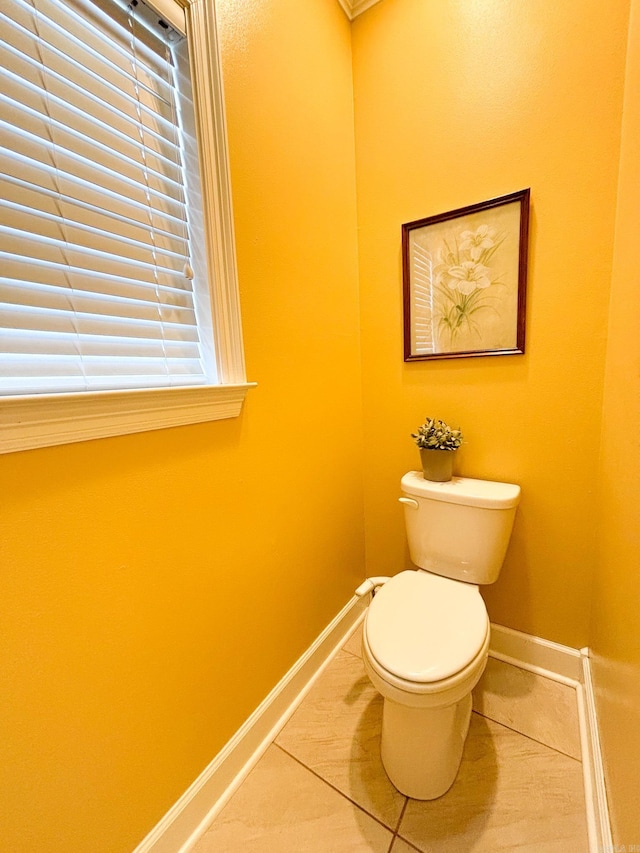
421	748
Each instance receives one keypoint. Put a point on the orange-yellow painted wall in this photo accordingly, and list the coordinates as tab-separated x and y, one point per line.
615	636
456	102
156	587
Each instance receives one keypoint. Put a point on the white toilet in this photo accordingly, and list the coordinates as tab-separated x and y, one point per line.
426	632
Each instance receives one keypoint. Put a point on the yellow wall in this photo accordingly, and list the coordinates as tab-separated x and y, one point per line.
462	101
155	587
616	625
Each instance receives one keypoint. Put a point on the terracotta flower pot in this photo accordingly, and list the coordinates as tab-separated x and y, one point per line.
437	465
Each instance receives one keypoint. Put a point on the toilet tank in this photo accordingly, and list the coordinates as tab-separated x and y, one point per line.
459	529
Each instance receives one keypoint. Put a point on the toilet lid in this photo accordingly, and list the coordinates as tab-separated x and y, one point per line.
423	627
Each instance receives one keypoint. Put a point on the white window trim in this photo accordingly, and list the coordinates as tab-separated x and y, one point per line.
31	421
40	421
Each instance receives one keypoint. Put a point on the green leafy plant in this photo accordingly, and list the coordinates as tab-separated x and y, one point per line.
435	434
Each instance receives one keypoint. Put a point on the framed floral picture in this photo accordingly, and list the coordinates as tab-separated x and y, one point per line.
464	280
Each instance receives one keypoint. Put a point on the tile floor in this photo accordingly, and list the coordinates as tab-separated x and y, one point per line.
321	788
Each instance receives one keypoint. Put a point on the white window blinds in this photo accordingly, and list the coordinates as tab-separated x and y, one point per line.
103	281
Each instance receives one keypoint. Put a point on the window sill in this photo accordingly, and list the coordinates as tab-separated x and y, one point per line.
45	420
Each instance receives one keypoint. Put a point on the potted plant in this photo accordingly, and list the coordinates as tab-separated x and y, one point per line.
437	443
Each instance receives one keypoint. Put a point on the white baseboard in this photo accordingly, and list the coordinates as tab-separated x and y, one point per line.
573	668
543	657
598	822
188	818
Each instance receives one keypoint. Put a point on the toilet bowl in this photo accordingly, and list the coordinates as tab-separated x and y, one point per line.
425	656
426	632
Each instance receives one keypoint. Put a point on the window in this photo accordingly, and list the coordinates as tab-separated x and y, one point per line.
118	294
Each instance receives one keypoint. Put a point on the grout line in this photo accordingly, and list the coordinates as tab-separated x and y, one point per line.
337	790
528	737
408	843
395	834
404	808
354	631
353	654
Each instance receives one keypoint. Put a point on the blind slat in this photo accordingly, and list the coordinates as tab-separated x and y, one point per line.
176	328
51	226
22	247
89	281
144	190
26	106
91	77
96	287
53	298
94	114
19	168
18	195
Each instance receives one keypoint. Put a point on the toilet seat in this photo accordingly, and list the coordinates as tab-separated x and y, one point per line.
422	628
429	695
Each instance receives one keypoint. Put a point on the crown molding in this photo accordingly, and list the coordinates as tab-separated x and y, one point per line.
353	8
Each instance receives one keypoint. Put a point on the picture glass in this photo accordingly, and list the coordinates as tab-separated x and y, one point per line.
464	288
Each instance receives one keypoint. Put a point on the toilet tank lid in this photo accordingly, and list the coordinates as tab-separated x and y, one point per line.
463	490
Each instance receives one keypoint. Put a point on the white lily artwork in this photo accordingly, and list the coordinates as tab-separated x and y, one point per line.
465	280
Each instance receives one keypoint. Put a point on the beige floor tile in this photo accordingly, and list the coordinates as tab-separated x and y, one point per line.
354	643
401	846
512	794
284	808
535	706
336	732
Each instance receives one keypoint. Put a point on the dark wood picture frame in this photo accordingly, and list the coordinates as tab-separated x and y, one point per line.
465	279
